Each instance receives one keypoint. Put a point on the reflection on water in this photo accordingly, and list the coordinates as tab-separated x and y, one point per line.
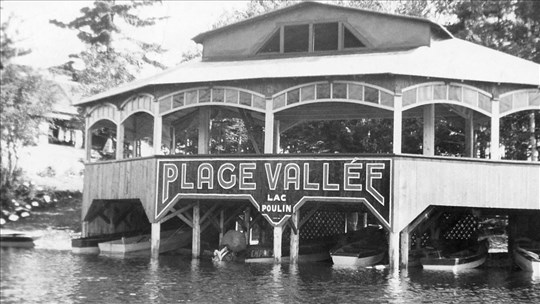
50	273
45	276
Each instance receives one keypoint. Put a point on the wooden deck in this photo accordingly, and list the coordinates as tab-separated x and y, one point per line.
418	182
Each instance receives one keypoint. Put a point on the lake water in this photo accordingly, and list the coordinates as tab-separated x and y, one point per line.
50	273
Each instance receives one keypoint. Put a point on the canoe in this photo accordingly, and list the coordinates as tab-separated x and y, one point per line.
169	240
457	261
18	240
89	245
358	254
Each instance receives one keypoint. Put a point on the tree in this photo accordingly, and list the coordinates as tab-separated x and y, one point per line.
25	96
105	62
512	27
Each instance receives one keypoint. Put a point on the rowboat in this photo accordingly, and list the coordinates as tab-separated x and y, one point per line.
169	240
89	245
456	261
18	240
527	257
358	254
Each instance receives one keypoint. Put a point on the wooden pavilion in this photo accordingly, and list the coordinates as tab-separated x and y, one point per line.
307	62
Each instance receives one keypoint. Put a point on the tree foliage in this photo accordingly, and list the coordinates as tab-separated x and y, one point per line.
25	96
111	58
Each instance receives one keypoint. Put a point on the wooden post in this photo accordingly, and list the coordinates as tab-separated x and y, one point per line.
404	252
365	219
428	146
158	126
469	135
155	241
278	234
393	252
398	120
204	130
88	141
84	229
269	127
247	222
532	138
221	224
295	238
495	126
120	141
196	236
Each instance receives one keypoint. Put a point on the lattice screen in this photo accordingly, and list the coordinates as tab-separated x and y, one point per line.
464	226
323	223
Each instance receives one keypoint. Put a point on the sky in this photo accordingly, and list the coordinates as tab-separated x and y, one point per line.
51	45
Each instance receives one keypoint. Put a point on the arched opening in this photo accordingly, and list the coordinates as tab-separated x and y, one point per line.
231	130
520	135
138	135
103	139
446	129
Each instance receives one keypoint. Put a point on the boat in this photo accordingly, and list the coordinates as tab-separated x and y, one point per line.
461	260
527	256
169	240
18	240
311	252
358	254
362	248
89	245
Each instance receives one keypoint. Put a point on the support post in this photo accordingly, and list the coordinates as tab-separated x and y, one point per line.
155	239
204	130
221	224
158	126
196	236
120	141
295	238
469	135
404	252
88	141
278	234
247	224
532	138
495	129
269	127
393	252
398	120
428	146
84	229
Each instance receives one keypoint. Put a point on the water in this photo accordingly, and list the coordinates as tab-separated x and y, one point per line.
50	273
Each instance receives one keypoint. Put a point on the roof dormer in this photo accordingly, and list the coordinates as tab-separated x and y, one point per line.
311	28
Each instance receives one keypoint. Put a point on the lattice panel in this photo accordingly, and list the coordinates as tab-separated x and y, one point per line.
423	239
464	227
323	223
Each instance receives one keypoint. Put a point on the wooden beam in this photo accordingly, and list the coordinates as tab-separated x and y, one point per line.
269	127
204	130
393	252
308	215
221	224
495	129
176	212
208	212
404	248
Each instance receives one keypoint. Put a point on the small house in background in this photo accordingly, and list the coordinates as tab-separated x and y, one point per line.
199	147
63	126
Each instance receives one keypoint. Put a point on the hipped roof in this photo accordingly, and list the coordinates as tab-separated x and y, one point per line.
453	59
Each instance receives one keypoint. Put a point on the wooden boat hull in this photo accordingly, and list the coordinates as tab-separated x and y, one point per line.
89	245
169	240
453	264
16	240
356	260
525	260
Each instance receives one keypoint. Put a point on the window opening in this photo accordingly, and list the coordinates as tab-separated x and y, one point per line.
272	45
296	38
350	40
325	36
